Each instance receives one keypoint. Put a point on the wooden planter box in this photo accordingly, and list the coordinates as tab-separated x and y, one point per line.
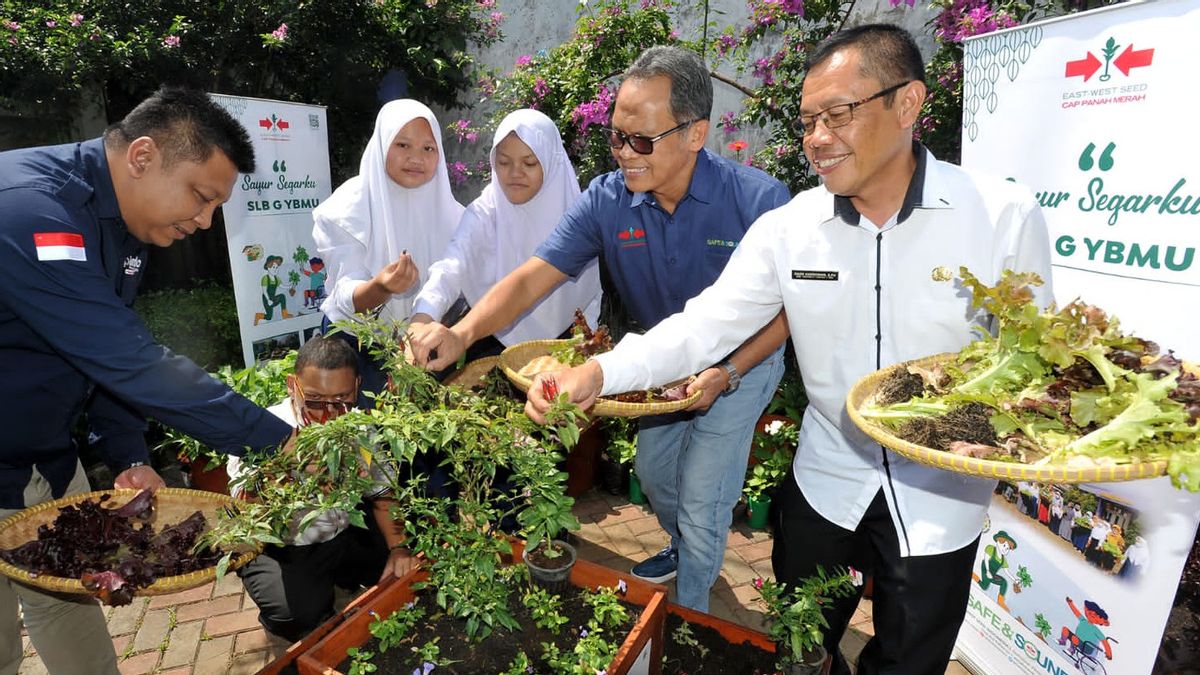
640	654
732	632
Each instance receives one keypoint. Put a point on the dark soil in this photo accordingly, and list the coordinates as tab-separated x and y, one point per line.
898	387
1179	652
970	423
722	657
495	653
539	558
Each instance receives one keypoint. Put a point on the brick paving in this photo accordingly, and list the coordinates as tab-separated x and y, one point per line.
213	629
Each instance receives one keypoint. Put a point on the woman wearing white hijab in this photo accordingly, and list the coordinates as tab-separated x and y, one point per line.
380	231
533	184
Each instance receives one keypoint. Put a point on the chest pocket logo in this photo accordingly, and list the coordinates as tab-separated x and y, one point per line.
632	237
133	265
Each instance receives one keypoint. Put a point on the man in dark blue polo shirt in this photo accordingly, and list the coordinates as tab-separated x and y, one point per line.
74	223
666	224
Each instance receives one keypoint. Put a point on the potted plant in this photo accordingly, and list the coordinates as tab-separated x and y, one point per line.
797	625
622	450
790	399
467	573
367	639
265	385
774	447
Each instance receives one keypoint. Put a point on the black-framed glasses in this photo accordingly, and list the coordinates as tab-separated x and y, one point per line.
642	145
839	115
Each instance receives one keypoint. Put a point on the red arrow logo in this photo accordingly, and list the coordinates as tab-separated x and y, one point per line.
1086	67
1131	58
283	125
264	123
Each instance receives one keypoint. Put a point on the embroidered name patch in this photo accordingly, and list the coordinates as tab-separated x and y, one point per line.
59	246
815	275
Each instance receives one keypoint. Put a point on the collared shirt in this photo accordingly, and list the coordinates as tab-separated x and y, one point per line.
659	260
69	339
859	298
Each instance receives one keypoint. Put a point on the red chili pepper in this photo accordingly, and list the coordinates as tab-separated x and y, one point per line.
549	389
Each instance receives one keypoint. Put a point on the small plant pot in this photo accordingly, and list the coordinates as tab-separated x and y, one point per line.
816	662
758	513
553	574
635	490
610	475
203	476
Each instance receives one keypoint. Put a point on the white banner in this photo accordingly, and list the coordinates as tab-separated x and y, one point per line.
278	280
1092	112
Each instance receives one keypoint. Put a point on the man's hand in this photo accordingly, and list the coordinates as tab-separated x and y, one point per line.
713	382
434	346
582	384
399	563
140	478
399	275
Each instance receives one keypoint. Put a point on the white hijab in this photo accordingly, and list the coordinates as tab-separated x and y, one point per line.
386	218
520	228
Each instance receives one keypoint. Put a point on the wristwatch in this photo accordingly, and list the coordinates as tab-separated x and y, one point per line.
735	378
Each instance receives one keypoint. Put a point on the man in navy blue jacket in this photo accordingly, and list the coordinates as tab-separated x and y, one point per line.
74	224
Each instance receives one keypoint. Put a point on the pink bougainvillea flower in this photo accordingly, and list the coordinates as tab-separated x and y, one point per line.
524	60
171	41
76	19
758	583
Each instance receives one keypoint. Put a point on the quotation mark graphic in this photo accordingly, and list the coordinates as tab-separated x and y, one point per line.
1106	158
279	166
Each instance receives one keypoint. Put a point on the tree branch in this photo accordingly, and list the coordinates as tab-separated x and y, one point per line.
733	83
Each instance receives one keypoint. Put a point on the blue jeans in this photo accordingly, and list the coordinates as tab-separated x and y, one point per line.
692	466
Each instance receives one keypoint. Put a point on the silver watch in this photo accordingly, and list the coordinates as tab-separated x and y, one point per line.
735	378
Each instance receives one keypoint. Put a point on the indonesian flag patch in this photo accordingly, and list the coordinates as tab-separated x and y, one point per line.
59	246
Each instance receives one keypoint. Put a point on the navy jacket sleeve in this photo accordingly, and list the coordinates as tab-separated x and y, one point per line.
72	306
116	431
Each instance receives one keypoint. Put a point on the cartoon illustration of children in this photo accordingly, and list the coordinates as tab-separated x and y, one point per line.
993	568
316	283
1087	637
271	297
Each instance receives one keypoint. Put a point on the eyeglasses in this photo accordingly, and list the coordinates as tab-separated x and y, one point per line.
324	408
642	145
838	115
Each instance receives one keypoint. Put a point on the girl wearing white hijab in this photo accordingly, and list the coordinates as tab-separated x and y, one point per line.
533	184
380	231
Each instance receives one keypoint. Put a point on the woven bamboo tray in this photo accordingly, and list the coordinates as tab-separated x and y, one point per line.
172	505
515	357
865	388
472	373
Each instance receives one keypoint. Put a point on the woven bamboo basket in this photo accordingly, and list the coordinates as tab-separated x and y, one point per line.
472	373
864	389
515	357
172	505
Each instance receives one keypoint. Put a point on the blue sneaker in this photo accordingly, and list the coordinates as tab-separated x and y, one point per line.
658	569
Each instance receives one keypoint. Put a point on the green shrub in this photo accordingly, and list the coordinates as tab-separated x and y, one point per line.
200	323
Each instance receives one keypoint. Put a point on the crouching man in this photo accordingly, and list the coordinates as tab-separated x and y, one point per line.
293	585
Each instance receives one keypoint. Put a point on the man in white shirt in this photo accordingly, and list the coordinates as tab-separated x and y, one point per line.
853	263
293	585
